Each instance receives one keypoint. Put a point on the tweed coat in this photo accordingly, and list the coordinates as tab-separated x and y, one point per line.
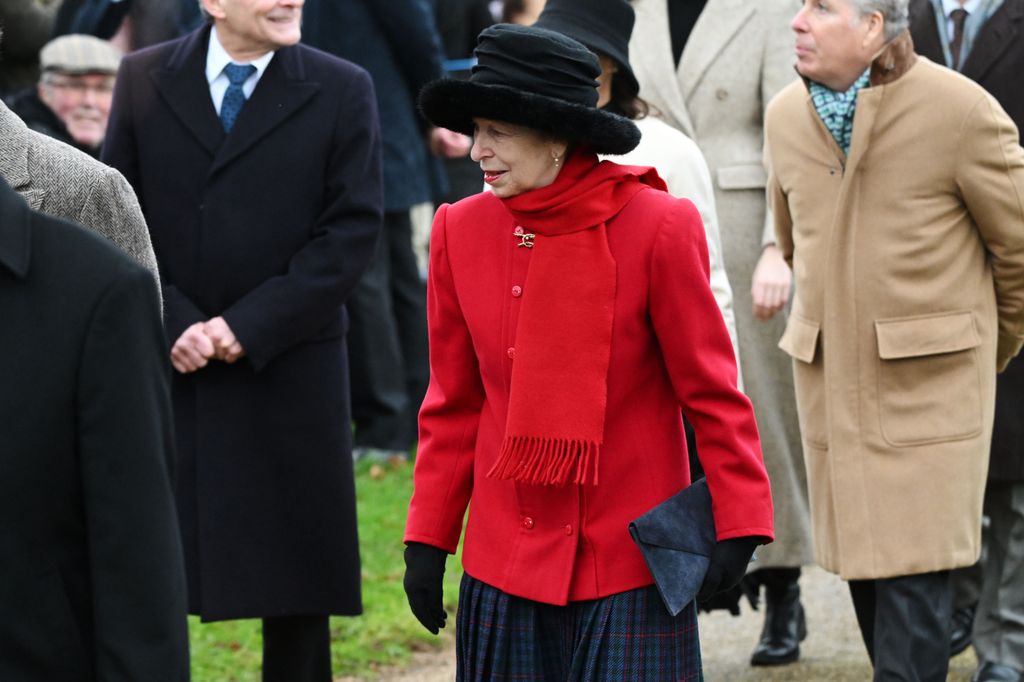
669	348
996	63
738	56
269	226
909	262
63	182
92	586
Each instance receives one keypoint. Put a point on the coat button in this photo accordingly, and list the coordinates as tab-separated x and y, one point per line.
568	529
527	523
517	291
721	94
511	353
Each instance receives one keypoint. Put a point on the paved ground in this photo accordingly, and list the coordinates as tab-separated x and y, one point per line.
832	652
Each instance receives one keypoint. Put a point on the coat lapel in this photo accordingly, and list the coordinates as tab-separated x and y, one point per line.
183	85
651	48
15	240
14	144
720	21
925	31
281	91
999	32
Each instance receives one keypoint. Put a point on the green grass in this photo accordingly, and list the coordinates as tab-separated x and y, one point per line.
384	636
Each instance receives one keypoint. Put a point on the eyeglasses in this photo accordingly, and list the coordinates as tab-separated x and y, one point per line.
80	87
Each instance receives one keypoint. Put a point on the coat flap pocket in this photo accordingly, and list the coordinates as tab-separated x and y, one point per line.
746	176
800	339
910	337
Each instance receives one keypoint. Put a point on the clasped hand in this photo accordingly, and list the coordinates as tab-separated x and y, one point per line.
205	341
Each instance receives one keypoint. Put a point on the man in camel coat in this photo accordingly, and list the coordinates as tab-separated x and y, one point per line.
897	189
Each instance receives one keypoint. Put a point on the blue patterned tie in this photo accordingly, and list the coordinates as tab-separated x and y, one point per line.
234	98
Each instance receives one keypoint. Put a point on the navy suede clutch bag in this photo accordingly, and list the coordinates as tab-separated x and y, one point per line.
676	538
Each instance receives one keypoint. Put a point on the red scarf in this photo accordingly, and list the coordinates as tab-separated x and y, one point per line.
559	386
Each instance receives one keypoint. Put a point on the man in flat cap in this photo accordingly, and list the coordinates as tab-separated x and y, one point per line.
56	179
71	101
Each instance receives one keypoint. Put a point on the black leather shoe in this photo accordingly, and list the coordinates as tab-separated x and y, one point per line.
960	635
996	672
784	626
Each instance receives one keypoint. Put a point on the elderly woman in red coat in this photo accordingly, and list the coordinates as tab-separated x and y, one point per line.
570	318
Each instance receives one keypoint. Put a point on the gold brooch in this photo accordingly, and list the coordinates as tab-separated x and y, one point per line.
525	238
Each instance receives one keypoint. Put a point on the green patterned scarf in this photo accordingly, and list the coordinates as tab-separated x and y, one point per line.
836	109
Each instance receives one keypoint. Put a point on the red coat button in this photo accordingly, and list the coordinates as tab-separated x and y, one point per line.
517	291
511	353
568	529
527	523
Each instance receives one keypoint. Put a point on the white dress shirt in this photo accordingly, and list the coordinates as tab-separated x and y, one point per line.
216	59
972	7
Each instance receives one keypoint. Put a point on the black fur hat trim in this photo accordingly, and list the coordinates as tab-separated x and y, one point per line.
453	104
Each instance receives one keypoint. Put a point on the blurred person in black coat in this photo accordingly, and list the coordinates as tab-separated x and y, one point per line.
988	47
460	22
397	43
257	165
130	24
92	585
27	24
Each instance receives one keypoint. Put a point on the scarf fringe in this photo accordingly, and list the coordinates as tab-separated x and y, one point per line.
546	461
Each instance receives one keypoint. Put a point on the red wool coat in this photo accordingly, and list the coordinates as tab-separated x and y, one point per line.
669	349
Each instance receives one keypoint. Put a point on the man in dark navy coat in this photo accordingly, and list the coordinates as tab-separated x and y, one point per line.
257	165
92	585
984	40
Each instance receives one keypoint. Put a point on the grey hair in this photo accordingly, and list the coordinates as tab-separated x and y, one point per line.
202	11
895	12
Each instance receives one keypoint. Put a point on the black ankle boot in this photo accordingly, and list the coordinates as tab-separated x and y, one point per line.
784	623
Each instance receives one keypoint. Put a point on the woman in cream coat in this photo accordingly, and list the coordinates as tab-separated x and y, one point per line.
736	56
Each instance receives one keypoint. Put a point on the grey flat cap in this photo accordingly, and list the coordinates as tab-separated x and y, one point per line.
79	54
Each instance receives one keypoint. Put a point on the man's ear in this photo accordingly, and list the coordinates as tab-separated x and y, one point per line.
875	33
213	8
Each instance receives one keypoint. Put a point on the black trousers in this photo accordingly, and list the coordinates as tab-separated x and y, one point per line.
387	342
296	649
905	622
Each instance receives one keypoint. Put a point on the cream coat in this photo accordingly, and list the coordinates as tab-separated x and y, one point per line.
681	165
739	55
909	265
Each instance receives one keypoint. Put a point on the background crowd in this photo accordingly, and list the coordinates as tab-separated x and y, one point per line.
323	326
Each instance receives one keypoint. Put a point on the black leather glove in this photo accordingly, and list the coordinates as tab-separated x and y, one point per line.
728	565
424	586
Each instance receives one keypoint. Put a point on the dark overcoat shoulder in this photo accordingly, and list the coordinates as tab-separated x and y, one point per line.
92	585
269	226
996	62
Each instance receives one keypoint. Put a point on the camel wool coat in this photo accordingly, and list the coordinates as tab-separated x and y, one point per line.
908	256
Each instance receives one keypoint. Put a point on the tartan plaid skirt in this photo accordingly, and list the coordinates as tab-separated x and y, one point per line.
625	636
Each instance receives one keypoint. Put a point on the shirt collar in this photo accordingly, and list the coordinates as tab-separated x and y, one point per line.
217	58
972	6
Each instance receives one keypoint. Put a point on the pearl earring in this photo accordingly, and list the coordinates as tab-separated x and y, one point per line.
557	161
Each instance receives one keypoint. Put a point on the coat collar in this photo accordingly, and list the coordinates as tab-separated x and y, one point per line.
282	90
14	147
15	241
1001	31
895	60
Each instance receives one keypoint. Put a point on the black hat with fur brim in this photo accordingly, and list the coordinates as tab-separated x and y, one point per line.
536	78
